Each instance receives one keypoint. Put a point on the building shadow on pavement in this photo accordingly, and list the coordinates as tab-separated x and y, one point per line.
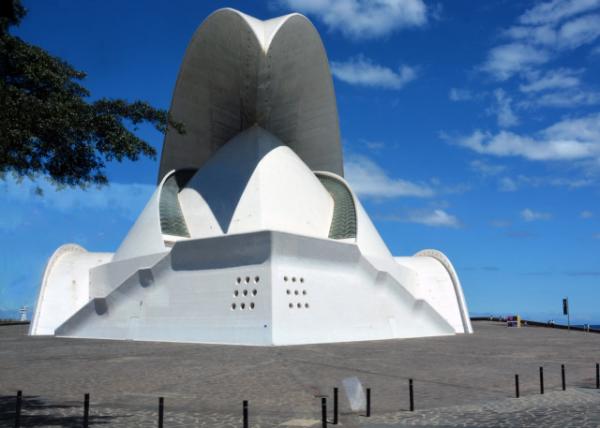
36	412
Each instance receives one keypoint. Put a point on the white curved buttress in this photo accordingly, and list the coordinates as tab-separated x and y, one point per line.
65	286
436	282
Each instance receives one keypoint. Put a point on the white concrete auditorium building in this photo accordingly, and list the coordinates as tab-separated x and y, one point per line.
252	236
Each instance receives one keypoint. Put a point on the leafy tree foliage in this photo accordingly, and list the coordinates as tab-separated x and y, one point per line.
48	125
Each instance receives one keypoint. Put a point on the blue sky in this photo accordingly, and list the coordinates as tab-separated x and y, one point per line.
469	127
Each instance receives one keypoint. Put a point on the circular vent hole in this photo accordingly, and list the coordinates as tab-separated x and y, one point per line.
293	279
301	279
285	278
247	279
299	305
254	292
233	306
236	293
242	306
306	305
256	279
252	305
304	292
288	291
296	292
239	280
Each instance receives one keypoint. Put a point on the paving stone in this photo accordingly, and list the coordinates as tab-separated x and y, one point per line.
459	381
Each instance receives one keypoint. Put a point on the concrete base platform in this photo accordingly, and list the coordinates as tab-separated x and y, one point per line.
204	385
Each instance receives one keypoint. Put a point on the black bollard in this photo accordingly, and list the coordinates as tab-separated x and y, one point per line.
562	373
161	411
517	386
86	410
541	380
597	376
411	395
335	406
245	413
18	409
324	411
368	412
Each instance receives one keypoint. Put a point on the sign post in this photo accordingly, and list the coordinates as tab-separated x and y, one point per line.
566	312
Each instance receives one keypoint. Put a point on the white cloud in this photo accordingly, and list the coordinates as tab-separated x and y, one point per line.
435	218
125	200
506	60
499	223
507	184
557	88
429	217
540	36
570	35
584	129
373	145
564	99
507	143
503	110
364	18
579	32
485	168
569	139
530	215
543	35
457	94
511	184
585	214
369	180
570	183
362	71
557	10
561	78
451	189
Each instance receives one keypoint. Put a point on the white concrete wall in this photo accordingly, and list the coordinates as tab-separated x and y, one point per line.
106	277
188	296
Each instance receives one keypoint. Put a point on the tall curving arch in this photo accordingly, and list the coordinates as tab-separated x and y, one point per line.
239	71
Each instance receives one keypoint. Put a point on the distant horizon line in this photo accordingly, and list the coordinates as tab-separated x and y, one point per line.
14	315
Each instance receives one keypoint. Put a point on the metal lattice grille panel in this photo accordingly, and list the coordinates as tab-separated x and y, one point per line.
343	223
172	221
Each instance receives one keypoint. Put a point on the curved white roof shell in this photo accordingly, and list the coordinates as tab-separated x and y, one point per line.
239	71
255	182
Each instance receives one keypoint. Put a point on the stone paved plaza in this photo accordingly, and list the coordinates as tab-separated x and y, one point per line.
465	381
